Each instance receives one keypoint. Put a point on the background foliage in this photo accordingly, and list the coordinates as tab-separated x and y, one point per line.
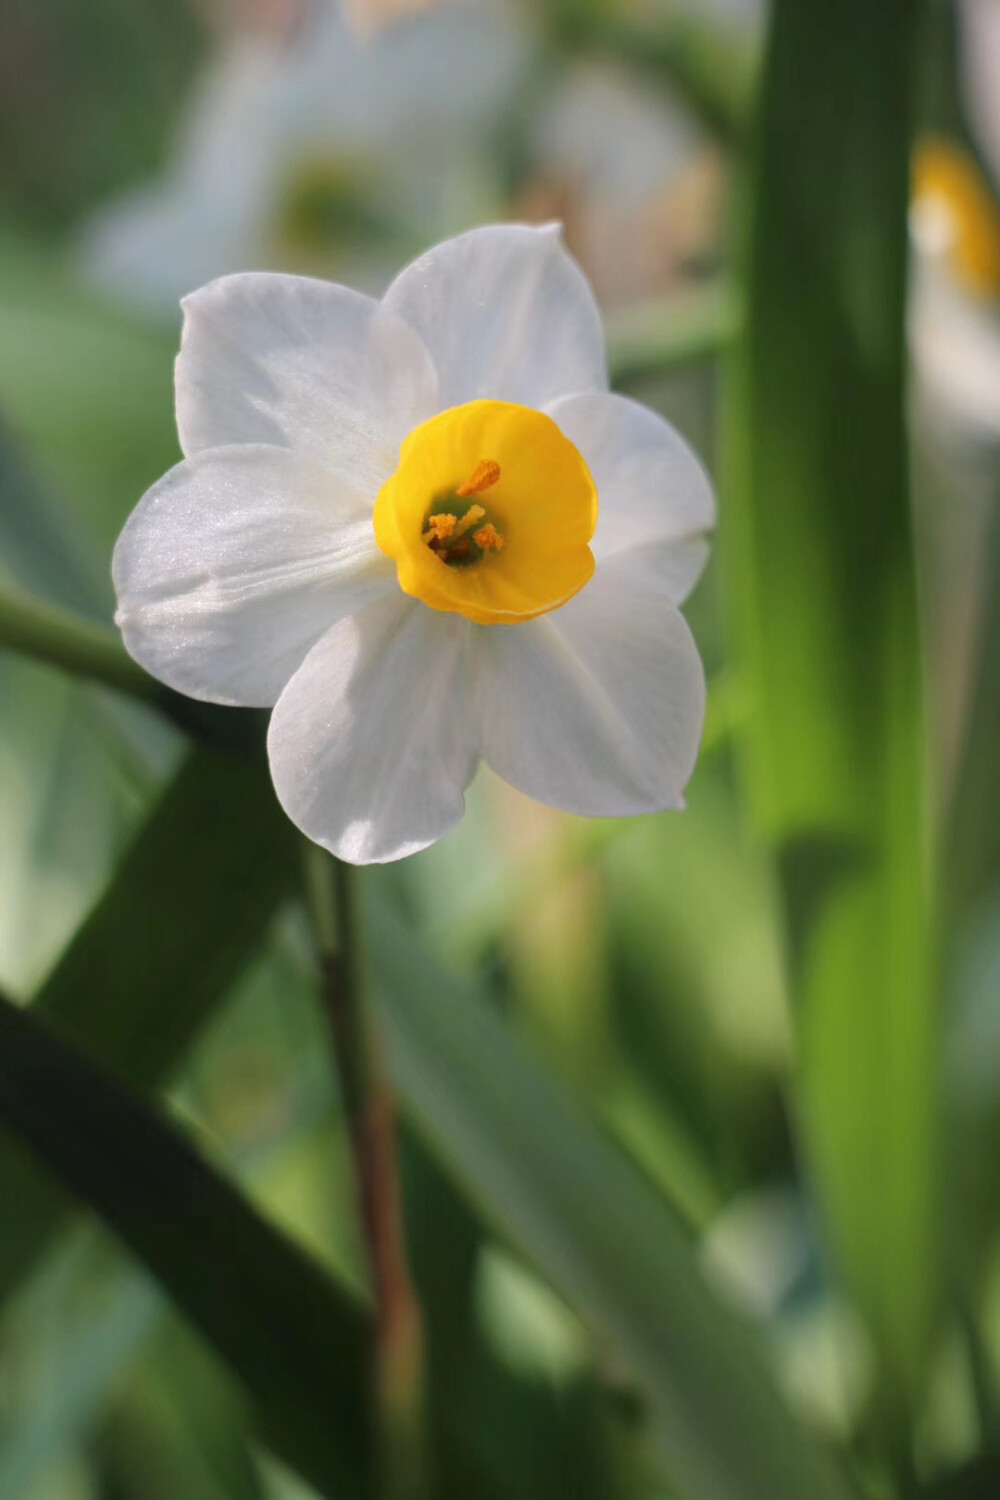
699	1113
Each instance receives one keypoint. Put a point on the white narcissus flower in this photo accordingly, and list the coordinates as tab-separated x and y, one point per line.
427	534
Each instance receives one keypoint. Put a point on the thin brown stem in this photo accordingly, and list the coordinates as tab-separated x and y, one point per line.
398	1363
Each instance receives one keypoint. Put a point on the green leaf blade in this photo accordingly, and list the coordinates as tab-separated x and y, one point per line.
550	1181
161	949
299	1345
823	576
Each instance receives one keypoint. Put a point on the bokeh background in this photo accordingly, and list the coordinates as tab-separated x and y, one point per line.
646	970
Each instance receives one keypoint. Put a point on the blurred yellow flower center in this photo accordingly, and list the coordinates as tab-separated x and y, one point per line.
489	514
954	214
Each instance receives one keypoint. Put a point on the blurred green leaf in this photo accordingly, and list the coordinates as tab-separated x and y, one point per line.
32	627
87	96
47	561
979	1479
652	337
91	1357
65	809
501	1436
194	923
298	1343
704	1022
67	796
187	909
822	577
549	1181
89	390
42	548
163	947
180	1427
530	1438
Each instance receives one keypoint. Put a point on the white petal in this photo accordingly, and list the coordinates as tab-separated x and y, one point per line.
302	364
654	498
955	343
507	314
596	708
235	563
370	743
979	38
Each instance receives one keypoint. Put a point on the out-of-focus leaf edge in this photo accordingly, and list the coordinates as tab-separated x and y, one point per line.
817	534
297	1342
186	911
548	1180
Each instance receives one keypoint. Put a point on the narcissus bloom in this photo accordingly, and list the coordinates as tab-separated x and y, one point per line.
426	533
954	318
308	150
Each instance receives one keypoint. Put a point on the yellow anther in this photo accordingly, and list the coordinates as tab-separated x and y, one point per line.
488	538
472	517
439	528
484	475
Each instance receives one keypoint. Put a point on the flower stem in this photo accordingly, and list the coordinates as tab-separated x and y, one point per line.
34	627
398	1378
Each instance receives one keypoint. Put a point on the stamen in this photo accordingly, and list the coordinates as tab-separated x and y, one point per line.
472	517
447	535
484	475
439	528
488	538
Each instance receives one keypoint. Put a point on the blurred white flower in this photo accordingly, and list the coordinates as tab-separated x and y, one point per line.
979	39
955	295
383	528
306	149
955	227
954	333
369	16
631	174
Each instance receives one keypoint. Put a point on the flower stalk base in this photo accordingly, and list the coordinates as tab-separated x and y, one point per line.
398	1351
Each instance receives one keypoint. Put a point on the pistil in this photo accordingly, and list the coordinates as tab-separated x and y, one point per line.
483	477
